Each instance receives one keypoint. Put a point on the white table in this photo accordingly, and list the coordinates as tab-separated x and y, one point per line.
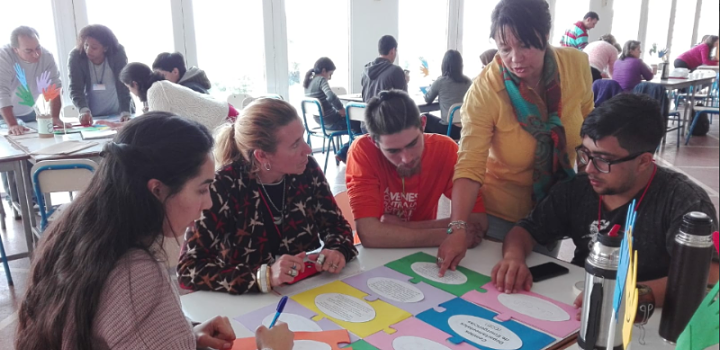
13	159
423	106
201	306
713	68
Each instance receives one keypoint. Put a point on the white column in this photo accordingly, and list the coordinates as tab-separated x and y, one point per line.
70	16
455	24
276	51
184	30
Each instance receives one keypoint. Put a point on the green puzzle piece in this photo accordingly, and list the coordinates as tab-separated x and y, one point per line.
474	279
361	345
702	331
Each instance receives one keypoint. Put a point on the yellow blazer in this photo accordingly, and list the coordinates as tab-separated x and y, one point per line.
495	150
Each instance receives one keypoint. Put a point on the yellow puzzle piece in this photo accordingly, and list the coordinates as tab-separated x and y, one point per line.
631	300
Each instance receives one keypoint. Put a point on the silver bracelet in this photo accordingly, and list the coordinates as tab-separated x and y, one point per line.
263	278
455	223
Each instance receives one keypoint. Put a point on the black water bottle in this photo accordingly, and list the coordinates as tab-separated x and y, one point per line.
688	275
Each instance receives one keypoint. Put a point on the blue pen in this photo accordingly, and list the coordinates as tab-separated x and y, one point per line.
279	310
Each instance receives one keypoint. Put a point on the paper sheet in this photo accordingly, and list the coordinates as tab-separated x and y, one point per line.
65	147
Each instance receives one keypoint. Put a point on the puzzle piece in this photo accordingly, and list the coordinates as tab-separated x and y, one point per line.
346	306
702	331
392	287
469	323
529	308
360	345
298	318
326	340
412	334
422	267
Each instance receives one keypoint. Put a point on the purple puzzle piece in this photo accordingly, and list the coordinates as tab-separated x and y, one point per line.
298	318
432	296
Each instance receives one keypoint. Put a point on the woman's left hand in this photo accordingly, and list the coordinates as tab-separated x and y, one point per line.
216	333
329	260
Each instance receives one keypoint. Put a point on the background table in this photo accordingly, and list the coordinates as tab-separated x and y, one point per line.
201	306
13	159
423	106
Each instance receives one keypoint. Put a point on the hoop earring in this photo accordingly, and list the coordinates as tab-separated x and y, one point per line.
267	166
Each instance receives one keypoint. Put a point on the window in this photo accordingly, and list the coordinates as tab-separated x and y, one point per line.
34	13
231	45
316	28
567	13
708	18
144	33
657	29
476	34
683	27
422	38
626	21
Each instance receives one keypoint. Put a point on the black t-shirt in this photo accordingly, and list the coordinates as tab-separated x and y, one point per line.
571	211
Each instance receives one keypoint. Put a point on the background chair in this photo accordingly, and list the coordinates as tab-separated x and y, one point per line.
50	176
451	117
237	100
339	90
247	101
354	111
313	107
3	257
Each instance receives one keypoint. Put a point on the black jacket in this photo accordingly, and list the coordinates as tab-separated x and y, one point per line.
380	75
81	81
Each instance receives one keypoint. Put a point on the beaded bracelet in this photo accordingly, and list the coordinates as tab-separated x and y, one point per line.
452	224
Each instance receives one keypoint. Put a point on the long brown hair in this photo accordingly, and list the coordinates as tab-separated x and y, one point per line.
114	215
254	129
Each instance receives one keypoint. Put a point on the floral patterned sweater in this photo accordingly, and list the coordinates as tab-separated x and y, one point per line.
229	243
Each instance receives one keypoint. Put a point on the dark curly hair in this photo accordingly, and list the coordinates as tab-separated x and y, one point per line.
100	33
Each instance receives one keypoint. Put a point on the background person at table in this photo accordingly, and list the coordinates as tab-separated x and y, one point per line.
22	64
98	276
699	55
602	55
521	122
316	86
396	175
629	70
95	65
619	139
487	57
161	95
382	73
577	35
270	205
451	88
172	67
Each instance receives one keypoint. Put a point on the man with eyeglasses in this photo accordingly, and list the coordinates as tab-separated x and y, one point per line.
619	140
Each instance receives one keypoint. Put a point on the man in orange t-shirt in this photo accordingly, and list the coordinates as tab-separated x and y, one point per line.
396	174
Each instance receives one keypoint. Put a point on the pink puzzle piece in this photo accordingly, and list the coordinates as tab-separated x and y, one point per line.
408	331
547	315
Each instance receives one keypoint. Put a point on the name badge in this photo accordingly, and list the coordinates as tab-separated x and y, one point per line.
98	87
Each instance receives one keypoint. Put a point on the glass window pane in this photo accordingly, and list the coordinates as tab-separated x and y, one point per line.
657	29
422	38
231	45
476	34
709	18
683	27
311	36
567	13
626	21
130	21
34	13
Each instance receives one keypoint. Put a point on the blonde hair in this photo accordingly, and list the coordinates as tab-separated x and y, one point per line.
254	129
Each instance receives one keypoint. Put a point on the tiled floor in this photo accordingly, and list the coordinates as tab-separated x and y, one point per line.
699	160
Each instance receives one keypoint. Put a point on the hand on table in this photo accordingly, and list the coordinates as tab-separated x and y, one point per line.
277	338
511	275
286	268
17	129
329	260
578	304
452	251
216	333
86	119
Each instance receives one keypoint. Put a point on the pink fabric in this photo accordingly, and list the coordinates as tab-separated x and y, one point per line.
697	56
602	55
232	113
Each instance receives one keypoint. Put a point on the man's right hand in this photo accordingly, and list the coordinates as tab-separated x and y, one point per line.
511	275
86	119
17	129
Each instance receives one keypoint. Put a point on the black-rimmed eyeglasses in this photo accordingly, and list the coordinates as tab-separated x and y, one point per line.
602	165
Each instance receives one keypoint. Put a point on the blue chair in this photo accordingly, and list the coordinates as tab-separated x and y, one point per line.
4	259
354	111
313	106
451	117
698	110
67	175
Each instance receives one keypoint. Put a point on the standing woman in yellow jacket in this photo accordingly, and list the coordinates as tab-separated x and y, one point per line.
521	123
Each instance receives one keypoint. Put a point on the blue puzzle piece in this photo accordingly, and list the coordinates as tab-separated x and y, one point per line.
467	322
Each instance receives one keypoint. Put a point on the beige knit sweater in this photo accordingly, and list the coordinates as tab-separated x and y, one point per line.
140	308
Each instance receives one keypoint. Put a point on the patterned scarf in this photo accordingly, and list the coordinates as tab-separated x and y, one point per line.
541	119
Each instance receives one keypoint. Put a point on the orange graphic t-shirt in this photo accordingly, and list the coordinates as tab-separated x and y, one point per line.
375	188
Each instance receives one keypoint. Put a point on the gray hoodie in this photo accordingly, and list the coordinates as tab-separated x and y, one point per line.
195	79
380	75
10	84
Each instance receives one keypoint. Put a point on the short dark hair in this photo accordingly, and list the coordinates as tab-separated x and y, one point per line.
634	119
385	44
391	112
592	15
21	30
102	34
169	61
528	20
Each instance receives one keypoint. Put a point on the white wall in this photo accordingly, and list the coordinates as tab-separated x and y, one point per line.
604	9
369	20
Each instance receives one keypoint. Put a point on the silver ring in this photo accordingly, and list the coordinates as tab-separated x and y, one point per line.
294	267
440	260
333	266
321	259
292	273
